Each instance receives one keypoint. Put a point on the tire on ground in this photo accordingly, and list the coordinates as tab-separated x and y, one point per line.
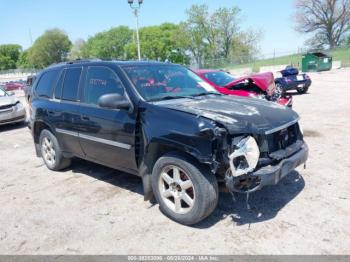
302	90
204	183
60	161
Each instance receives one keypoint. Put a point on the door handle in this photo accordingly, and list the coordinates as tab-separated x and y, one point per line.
51	112
85	118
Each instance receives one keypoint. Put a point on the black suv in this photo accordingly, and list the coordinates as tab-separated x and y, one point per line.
161	122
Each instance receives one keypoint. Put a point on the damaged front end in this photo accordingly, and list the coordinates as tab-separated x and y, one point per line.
258	161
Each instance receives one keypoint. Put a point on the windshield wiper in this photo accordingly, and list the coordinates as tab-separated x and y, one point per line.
207	93
169	98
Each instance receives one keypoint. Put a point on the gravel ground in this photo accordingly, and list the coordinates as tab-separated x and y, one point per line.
90	209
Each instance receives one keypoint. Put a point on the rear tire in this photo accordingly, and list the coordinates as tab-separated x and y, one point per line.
51	152
186	191
302	90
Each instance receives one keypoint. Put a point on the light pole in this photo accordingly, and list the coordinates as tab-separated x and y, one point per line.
135	5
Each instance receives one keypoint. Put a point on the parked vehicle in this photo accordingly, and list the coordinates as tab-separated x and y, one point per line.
256	85
162	122
12	86
28	87
292	80
11	109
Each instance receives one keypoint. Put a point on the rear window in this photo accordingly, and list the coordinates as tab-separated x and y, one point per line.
71	84
46	83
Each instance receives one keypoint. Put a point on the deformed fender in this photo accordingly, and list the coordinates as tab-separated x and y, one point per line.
164	130
157	148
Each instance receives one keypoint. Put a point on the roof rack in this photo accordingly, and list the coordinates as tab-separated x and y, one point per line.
77	61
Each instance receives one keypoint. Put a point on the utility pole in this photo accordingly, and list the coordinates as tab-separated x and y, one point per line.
135	5
30	37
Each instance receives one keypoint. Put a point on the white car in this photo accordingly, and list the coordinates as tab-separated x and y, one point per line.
11	109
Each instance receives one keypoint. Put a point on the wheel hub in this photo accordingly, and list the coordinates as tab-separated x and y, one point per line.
176	189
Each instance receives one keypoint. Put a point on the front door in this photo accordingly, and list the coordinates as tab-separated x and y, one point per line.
106	135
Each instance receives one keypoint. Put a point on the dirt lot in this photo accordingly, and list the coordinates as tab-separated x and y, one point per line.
90	209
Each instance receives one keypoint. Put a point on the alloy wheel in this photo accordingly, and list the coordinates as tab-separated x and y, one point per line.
48	151
176	189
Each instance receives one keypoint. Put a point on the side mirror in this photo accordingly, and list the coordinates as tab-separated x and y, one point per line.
113	101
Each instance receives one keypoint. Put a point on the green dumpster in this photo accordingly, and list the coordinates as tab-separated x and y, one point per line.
316	62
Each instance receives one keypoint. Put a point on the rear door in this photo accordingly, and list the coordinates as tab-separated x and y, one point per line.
106	135
65	114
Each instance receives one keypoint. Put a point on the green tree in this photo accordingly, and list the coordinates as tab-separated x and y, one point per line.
109	44
244	47
52	47
158	43
9	55
212	35
23	60
191	38
226	23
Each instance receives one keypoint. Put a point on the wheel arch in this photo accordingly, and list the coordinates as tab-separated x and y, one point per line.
153	152
157	149
38	127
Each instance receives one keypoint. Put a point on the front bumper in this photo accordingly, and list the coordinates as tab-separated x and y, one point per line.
12	116
270	175
297	84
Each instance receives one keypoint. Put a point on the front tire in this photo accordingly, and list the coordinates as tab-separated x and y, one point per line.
280	90
51	152
186	192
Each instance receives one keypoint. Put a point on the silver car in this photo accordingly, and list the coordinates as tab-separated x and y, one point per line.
11	109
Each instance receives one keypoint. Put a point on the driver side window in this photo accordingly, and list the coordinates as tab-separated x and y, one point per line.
100	81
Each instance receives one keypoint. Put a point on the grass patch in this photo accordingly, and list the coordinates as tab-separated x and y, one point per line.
339	54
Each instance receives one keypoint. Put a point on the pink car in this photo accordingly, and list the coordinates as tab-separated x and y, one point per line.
13	86
260	85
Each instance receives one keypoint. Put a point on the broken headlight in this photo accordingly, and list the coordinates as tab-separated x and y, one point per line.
245	156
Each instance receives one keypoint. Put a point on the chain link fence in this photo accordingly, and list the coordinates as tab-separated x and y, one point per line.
341	56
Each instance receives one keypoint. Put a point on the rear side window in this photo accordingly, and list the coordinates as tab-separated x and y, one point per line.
58	89
46	83
71	84
100	81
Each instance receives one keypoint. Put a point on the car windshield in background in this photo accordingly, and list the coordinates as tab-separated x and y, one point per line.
163	82
219	78
2	92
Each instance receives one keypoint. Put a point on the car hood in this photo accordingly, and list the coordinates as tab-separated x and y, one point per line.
8	100
265	81
237	114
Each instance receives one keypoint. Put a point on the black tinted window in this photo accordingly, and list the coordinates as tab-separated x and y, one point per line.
58	89
100	81
46	83
71	84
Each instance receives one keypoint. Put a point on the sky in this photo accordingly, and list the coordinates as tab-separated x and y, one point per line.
22	21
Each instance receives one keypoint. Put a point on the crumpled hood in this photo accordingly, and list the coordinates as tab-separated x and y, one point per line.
265	81
237	114
8	100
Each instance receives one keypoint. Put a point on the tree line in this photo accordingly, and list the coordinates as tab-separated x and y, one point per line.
203	35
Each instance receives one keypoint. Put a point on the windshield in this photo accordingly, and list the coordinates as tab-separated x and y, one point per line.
157	82
2	92
219	78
